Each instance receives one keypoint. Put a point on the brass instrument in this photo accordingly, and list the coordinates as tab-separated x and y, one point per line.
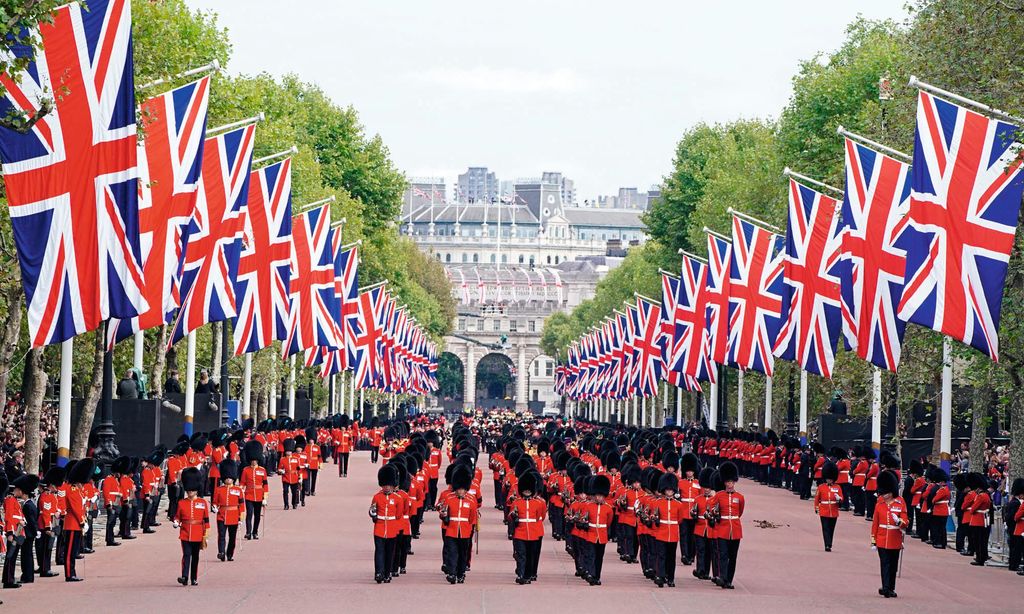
713	515
373	511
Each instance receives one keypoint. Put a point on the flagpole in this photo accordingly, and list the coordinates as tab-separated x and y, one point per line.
713	413
754	220
291	387
643	412
190	383
679	406
247	387
272	409
803	407
140	339
876	411
240	123
921	85
739	400
281	154
316	203
213	67
946	415
767	403
875	144
788	172
352	398
362	404
64	409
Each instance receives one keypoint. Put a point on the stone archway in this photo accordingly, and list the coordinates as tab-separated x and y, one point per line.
496	378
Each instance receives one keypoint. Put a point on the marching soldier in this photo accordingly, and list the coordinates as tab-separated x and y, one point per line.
14	526
458	521
192	518
386	516
827	501
627	505
527	521
729	529
938	502
127	498
704	523
75	518
689	488
976	514
150	488
313	459
887	525
227	504
597	514
289	468
667	512
24	489
110	490
255	487
49	517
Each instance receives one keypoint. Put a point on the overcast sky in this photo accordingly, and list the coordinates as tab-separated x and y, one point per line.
600	90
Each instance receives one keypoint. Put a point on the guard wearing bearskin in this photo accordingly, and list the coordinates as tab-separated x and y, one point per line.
827	501
228	505
729	529
887	526
192	518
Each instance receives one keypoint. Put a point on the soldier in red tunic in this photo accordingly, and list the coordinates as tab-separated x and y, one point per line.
689	488
728	530
668	514
289	467
227	504
598	515
49	518
386	514
193	519
458	521
255	487
887	524
827	501
527	521
74	518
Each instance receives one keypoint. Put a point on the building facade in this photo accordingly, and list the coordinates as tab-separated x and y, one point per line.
478	184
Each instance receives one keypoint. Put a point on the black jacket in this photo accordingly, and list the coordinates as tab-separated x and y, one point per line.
31	513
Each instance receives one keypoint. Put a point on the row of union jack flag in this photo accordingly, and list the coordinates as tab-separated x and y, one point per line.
923	239
177	228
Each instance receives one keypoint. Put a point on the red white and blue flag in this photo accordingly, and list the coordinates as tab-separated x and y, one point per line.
368	335
72	178
263	283
719	263
811	328
873	260
170	161
690	359
755	296
650	366
312	297
215	245
965	199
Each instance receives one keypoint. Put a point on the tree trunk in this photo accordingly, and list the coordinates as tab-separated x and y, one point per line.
979	410
159	365
80	438
11	335
33	408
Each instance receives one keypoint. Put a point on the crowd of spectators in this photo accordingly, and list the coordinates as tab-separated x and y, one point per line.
12	425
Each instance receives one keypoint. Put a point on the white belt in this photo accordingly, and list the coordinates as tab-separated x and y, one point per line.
386	517
828	503
687	500
457	519
730	518
598	526
669	522
527	520
889	526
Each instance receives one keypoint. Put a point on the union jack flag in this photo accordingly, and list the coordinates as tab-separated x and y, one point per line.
755	296
964	201
719	260
650	366
72	179
312	298
624	328
215	245
690	360
170	161
873	218
346	284
366	360
810	330
262	286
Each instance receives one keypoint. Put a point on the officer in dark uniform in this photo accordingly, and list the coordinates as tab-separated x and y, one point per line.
25	488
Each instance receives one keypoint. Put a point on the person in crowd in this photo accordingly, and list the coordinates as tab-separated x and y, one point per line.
127	388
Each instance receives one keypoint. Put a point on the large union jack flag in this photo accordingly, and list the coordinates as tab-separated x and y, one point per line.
366	361
211	259
719	261
690	360
965	197
811	327
650	367
346	289
755	296
263	283
312	298
170	161
873	260
72	179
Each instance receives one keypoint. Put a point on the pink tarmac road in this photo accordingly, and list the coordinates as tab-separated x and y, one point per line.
321	556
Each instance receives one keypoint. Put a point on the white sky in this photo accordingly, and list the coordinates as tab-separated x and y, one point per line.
597	89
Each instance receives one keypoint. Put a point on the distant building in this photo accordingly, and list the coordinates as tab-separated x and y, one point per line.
477	184
629	198
567	187
421	191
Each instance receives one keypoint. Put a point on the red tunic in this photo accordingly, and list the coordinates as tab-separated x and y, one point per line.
75	508
193	516
670	513
531	512
254	483
887	523
388	520
599	517
730	507
228	501
462	516
827	500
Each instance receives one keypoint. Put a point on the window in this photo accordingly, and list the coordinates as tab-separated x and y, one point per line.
536	369
556	259
536	394
465	257
504	258
447	257
549	368
497	325
476	257
520	258
462	323
494	258
549	258
480	325
438	256
513	326
531	326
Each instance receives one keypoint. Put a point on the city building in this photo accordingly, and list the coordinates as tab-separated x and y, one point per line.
422	191
477	184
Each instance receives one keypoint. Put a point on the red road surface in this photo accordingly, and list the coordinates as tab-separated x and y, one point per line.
321	556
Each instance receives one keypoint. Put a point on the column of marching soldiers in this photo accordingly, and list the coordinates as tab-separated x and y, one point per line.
216	481
637	488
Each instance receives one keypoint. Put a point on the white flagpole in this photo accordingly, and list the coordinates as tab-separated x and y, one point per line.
273	387
64	409
679	406
767	403
352	397
713	414
362	404
739	400
247	387
803	406
946	415
876	411
190	383
643	412
291	387
140	339
341	392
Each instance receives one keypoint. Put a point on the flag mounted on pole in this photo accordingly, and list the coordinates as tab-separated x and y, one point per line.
965	196
72	178
717	287
312	297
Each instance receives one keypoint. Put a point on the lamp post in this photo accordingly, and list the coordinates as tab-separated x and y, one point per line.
106	447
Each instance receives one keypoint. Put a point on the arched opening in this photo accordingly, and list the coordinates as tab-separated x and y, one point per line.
540	383
451	374
495	381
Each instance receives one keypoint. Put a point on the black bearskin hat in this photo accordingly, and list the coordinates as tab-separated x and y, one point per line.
670	460
462	477
27	483
888	483
387	476
960	481
976	481
829	471
55	476
288	445
228	469
915	468
668	481
528	483
81	473
631	474
705	477
253	451
300	442
1017	488
191	479
729	472
121	465
689	462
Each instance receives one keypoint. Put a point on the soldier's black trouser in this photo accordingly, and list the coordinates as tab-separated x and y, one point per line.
592	558
980	543
374	454
383	555
889	561
431	492
342	464
627	540
557	516
1016	551
72	545
172	500
11	562
527	556
147	512
87	538
253	515
828	530
499	495
28	569
805	487
845	506
226	536
312	481
870	499
292	489
113	513
924	525
686	540
938	532
455	554
962	531
44	551
728	549
857	494
707	559
402	545
190	560
665	560
126	520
